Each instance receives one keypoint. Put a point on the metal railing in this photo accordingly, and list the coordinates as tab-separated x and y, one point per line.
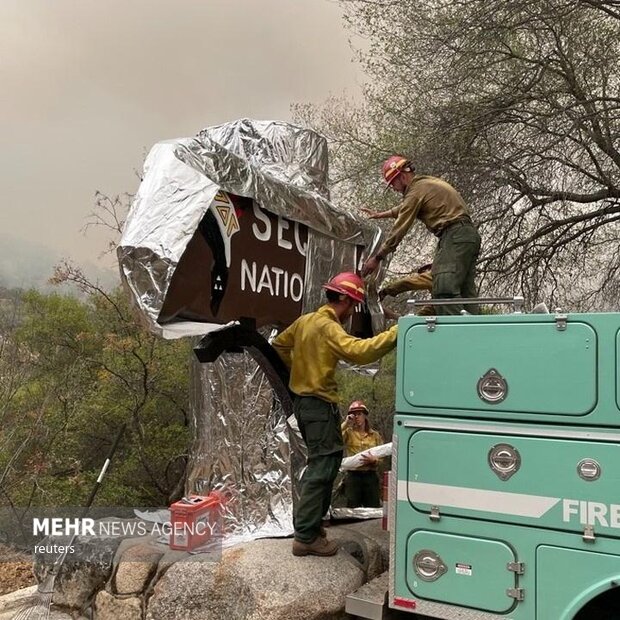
516	302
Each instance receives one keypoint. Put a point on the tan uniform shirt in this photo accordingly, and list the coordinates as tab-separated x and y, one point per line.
312	346
413	282
431	200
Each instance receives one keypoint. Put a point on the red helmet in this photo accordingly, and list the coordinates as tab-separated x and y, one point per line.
358	405
393	166
349	284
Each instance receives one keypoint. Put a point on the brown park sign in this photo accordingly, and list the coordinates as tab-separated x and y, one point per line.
242	262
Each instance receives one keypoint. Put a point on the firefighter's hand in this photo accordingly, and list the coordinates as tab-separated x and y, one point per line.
370	266
350	419
376	215
371	215
390	314
369	459
384	292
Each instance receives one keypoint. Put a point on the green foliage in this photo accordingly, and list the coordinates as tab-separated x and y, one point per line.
376	390
72	371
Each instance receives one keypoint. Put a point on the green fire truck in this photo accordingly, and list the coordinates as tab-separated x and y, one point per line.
505	485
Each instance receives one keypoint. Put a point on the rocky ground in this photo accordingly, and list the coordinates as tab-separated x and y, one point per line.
15	570
138	578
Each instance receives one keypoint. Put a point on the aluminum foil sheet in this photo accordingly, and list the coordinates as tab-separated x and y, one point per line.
243	443
294	156
356	513
241	446
281	166
357	460
248	446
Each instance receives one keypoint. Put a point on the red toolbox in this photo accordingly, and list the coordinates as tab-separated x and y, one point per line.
195	520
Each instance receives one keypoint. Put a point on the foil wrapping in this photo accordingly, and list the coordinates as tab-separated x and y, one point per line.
357	460
242	446
280	166
243	443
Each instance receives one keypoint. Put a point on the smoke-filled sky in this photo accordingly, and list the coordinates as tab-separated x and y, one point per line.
88	86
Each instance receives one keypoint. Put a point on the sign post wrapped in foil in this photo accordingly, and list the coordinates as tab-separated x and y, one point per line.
234	227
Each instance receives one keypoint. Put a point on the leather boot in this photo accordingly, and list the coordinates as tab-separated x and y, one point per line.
319	546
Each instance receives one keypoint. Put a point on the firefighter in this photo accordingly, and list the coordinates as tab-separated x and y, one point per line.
312	347
361	485
442	210
421	280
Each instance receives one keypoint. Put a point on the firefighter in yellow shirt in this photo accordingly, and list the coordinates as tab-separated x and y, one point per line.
361	485
312	347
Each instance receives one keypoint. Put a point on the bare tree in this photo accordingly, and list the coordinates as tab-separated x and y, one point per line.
517	103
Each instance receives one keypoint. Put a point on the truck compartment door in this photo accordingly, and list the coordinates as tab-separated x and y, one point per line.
560	484
568	579
459	570
499	369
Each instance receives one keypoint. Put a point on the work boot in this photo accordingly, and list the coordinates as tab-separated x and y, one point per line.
320	546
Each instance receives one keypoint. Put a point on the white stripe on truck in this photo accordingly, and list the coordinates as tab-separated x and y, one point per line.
444	496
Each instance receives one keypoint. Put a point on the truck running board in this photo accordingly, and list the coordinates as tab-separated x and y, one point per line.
369	601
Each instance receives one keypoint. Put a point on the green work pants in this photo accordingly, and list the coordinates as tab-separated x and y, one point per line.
319	424
454	266
361	488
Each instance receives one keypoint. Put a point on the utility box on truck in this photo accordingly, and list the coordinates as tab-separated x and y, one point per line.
505	491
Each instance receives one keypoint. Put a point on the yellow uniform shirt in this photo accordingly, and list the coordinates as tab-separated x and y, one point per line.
358	441
312	346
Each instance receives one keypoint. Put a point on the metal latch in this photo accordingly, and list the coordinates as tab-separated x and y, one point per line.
560	322
516	593
435	516
431	323
518	302
588	533
516	567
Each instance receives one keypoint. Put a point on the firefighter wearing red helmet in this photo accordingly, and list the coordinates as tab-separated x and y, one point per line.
442	210
361	485
349	284
312	347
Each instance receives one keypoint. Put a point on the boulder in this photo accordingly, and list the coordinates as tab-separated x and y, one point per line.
136	566
110	607
84	570
259	580
26	598
83	573
373	540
